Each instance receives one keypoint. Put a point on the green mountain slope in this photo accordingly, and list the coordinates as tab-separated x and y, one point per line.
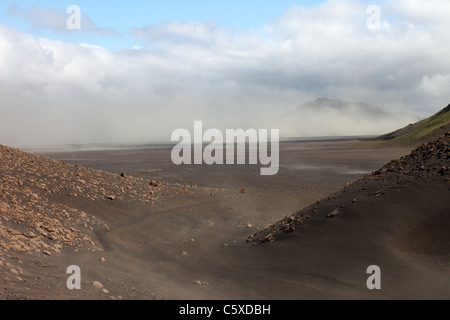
420	132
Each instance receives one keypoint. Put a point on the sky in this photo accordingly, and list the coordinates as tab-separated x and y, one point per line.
134	71
121	17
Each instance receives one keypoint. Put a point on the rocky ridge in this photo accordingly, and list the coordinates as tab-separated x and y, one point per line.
428	161
45	205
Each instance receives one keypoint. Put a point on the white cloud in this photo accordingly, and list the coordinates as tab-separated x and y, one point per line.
417	11
178	31
436	85
184	71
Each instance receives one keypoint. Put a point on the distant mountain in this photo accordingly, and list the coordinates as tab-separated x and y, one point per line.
333	117
422	131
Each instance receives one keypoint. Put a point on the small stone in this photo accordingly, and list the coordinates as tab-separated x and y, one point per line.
30	235
48	253
97	285
102	259
269	238
289	229
154	183
332	214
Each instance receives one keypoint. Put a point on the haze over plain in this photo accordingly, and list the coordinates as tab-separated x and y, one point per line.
136	73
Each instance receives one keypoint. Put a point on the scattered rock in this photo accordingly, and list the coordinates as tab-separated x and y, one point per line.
269	238
97	285
30	234
154	183
333	214
288	228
